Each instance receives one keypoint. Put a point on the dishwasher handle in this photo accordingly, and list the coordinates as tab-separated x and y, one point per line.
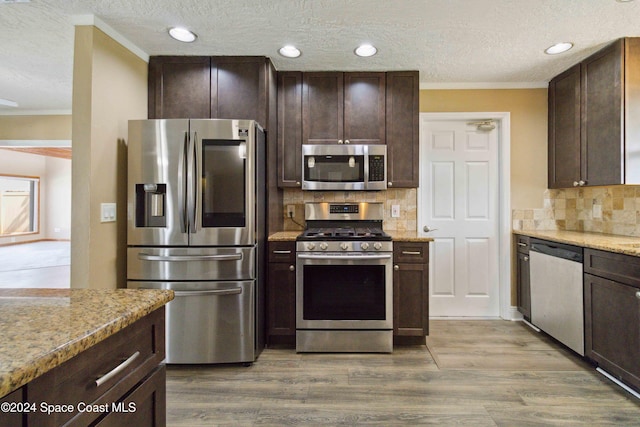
558	250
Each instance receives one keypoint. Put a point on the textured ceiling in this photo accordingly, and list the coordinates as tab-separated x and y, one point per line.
455	43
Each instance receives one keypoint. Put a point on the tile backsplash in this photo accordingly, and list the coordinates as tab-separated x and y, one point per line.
405	197
611	210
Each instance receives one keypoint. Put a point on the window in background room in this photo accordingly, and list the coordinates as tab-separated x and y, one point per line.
19	204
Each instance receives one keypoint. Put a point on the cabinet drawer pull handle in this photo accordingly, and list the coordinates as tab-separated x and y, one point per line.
524	245
115	371
396	267
282	252
411	253
291	268
638	294
526	258
575	183
581	183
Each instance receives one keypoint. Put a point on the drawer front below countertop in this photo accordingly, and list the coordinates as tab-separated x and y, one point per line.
75	380
410	252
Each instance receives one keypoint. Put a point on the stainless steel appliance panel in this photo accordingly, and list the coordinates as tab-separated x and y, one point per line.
153	263
353	341
557	296
344	167
157	154
224	173
329	261
209	322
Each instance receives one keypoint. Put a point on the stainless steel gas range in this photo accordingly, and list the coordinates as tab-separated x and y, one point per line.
344	289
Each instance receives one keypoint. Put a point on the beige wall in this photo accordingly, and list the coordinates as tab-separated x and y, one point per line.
35	127
109	88
528	112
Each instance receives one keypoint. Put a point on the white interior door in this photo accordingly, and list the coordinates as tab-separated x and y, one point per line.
459	196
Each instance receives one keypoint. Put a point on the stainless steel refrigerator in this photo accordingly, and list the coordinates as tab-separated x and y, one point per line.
196	225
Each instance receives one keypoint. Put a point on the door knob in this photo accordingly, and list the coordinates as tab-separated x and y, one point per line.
291	268
575	183
526	258
396	267
426	229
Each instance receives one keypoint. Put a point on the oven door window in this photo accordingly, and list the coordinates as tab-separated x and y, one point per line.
344	292
223	183
334	168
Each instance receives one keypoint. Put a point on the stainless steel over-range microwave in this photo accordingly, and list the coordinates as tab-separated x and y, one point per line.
344	167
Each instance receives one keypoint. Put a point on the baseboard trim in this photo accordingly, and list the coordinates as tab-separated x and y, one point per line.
33	241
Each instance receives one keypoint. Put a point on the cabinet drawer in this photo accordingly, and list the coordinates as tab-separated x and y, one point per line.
102	373
411	252
282	252
522	244
621	268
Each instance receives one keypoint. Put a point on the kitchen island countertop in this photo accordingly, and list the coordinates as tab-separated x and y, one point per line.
627	245
42	328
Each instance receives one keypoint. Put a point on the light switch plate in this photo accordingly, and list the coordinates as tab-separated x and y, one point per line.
107	212
395	211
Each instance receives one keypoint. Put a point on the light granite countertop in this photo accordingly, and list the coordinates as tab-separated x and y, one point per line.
398	236
627	245
42	328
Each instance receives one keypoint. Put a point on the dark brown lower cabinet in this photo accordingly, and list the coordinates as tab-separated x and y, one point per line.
522	276
11	416
410	292
281	293
612	314
79	393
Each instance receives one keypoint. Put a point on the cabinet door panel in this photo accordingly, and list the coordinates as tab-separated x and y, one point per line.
364	108
179	87
240	83
524	287
564	129
410	300
289	129
402	115
281	297
322	108
602	119
612	327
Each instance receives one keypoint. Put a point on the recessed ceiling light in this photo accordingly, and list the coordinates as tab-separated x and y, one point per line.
290	51
366	50
182	34
558	48
8	103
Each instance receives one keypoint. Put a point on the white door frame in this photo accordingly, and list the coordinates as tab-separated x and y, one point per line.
503	120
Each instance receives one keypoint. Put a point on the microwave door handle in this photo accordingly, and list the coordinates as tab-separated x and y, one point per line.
182	184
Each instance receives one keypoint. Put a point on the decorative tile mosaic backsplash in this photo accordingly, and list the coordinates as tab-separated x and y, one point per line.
405	197
611	210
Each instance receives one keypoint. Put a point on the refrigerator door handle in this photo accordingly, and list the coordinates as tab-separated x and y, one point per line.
193	184
227	257
182	184
216	292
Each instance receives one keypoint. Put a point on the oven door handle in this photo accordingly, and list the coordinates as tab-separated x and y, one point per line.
344	257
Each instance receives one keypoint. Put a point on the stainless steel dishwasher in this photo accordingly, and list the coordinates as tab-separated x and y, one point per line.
557	292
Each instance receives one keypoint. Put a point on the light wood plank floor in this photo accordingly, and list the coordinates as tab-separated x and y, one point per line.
476	373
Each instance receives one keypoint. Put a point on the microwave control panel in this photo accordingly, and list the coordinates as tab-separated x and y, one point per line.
376	168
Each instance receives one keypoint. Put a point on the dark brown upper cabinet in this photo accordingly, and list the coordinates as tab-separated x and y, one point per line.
604	92
289	128
402	115
343	108
179	87
221	87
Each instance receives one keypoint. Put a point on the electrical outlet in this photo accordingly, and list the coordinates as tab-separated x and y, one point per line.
395	211
107	212
291	211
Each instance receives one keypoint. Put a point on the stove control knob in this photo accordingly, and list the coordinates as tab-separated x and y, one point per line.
364	246
323	246
377	245
344	246
311	246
